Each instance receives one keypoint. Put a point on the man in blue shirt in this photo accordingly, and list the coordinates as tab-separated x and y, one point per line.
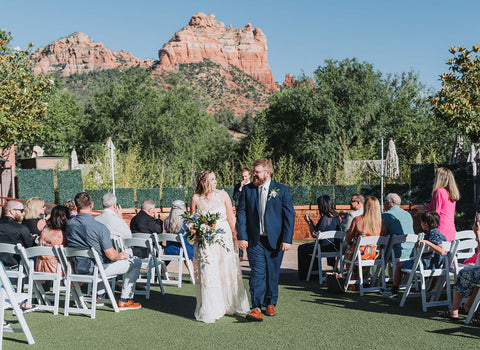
83	231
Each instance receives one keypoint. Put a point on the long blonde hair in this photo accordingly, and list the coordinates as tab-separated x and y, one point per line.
33	207
204	185
444	178
372	216
174	221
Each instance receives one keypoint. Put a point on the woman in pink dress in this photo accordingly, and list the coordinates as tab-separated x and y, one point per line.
445	195
52	235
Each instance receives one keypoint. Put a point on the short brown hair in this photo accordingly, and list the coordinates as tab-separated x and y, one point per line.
431	218
267	165
83	200
245	170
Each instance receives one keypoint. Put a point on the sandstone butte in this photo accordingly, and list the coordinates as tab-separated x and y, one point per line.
78	53
203	37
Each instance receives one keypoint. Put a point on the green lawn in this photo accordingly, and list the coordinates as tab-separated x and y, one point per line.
307	318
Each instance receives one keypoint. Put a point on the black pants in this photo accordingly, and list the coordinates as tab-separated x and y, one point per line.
305	252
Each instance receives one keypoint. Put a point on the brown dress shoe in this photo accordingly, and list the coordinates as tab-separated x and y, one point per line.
255	315
270	310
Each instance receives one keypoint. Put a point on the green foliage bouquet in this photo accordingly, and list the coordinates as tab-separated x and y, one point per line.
201	227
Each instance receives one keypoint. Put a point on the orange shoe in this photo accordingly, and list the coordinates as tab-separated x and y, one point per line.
128	305
255	315
270	310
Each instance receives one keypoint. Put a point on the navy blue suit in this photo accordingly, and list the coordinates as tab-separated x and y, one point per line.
264	254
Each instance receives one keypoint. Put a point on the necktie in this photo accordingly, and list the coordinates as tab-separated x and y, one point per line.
263	203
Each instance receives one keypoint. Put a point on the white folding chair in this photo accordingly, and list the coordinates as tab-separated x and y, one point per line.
474	307
464	247
419	273
181	258
318	254
74	279
381	242
44	299
390	258
16	275
151	263
8	298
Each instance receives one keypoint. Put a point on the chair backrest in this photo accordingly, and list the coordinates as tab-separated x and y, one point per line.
141	235
137	242
33	252
398	239
378	240
8	248
448	247
466	234
169	237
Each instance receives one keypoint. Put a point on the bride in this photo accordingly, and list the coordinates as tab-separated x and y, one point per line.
219	285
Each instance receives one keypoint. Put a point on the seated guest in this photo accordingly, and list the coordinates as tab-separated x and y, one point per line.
398	222
12	232
52	235
329	220
365	225
466	285
434	239
356	204
35	216
146	221
85	233
174	223
70	204
112	217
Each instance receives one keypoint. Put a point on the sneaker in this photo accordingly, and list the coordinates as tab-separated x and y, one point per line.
100	302
388	293
28	308
128	305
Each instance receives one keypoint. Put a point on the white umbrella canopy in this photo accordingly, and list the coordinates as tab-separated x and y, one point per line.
74	159
111	148
458	155
392	167
471	154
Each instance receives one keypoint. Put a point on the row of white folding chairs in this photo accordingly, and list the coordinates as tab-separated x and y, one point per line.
160	258
62	280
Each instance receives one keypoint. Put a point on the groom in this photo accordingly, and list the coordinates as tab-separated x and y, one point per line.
265	219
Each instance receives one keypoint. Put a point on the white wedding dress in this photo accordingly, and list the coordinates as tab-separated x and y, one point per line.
219	285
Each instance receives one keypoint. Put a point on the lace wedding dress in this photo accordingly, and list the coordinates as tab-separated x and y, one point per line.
219	285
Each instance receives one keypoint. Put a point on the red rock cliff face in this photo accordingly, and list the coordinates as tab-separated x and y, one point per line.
204	37
77	53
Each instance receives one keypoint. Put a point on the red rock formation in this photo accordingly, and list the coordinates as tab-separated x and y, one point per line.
289	80
204	37
77	53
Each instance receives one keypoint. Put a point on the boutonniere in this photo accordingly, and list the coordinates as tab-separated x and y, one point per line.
273	193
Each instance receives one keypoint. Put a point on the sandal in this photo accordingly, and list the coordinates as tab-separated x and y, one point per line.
462	311
28	308
447	314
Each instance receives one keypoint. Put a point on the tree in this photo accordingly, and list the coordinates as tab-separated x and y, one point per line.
22	95
346	113
458	102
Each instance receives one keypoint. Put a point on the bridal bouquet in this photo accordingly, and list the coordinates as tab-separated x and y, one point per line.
202	228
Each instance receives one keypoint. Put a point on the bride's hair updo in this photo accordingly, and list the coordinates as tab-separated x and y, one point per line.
203	182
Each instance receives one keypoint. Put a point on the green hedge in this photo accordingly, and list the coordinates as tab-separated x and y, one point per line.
371	190
170	194
69	184
321	190
190	191
300	194
97	195
125	197
144	194
463	173
36	183
229	190
343	193
403	190
422	176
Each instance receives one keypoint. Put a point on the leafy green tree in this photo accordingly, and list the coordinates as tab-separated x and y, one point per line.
22	95
458	102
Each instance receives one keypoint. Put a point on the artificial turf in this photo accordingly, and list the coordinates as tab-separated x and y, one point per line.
307	318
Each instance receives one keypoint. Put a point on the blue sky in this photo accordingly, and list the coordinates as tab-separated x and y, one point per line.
394	35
